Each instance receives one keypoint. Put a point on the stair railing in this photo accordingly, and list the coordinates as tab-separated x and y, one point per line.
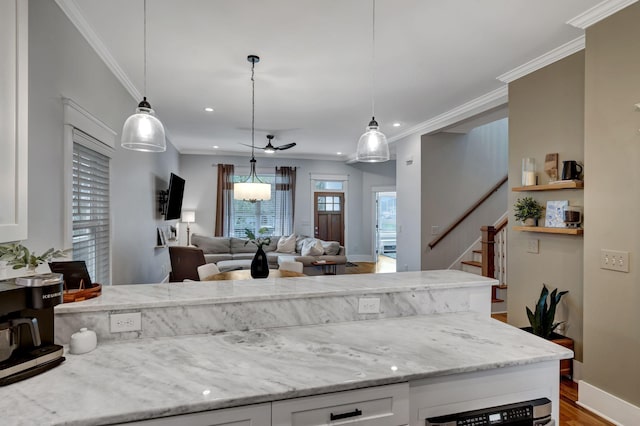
494	254
470	210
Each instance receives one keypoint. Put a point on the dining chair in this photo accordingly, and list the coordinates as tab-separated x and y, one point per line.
185	262
207	270
291	266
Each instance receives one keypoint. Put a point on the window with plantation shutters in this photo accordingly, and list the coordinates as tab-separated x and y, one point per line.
90	202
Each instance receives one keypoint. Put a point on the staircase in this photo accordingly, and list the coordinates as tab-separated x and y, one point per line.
493	247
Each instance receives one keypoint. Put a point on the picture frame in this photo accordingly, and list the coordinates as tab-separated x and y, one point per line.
161	238
554	215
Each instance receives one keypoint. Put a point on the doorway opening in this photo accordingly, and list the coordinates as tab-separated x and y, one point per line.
385	231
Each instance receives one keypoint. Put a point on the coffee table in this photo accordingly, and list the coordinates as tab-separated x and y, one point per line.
329	267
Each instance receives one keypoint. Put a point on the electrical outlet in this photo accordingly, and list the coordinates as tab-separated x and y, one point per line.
533	246
614	260
369	305
119	323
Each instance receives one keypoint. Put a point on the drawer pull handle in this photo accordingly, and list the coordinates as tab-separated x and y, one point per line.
353	413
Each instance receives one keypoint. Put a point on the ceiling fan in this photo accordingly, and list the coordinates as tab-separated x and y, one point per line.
270	149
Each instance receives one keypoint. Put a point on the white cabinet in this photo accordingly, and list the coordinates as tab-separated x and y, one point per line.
376	406
14	109
249	415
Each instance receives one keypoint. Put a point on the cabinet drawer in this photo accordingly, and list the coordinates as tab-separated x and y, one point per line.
376	406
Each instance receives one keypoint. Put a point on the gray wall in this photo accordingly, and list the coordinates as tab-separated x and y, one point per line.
200	173
62	64
612	202
457	169
546	115
408	188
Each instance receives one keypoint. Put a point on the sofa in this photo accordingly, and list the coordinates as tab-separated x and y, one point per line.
217	249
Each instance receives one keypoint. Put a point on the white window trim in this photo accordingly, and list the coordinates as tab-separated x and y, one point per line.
77	117
319	177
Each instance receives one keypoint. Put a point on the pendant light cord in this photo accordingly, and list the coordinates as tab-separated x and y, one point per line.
145	47
373	59
253	105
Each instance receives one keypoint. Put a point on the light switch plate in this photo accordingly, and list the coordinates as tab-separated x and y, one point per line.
614	260
533	246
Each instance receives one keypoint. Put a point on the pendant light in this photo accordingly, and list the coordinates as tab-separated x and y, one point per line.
372	146
253	189
143	131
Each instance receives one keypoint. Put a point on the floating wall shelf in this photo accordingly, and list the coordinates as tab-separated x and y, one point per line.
542	229
574	184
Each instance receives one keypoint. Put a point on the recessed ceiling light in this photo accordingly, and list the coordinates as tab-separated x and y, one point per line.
338	153
396	124
208	109
216	147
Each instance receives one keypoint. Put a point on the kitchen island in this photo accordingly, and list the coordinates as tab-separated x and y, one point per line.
418	358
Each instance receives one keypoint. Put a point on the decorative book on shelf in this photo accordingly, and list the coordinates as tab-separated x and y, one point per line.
554	216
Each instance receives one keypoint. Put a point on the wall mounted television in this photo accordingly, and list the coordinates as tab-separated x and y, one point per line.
171	199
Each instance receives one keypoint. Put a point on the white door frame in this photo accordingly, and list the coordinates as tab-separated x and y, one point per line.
319	177
374	217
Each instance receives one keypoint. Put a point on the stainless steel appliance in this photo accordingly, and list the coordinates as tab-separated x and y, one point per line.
26	326
536	412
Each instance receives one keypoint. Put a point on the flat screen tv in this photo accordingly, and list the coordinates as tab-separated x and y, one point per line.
174	198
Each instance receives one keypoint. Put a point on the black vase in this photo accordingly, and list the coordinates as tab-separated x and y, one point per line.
259	265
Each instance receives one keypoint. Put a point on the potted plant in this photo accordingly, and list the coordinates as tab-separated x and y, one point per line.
543	324
528	211
19	256
259	264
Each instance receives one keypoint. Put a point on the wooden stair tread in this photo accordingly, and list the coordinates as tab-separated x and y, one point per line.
478	251
500	286
472	263
493	300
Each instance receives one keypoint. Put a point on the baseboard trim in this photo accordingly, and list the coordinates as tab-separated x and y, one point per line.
165	279
607	406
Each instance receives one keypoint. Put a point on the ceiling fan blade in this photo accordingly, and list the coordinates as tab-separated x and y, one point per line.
283	147
256	147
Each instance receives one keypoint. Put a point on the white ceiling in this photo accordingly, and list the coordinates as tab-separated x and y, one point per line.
314	78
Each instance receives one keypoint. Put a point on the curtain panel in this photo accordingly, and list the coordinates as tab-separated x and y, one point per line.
224	201
285	193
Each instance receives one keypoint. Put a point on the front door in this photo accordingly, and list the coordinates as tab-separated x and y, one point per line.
329	216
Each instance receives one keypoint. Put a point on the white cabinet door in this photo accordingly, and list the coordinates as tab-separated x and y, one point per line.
249	415
13	119
376	406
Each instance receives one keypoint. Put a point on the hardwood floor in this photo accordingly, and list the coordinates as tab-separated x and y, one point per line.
571	414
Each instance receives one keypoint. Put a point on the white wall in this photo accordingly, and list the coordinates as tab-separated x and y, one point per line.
200	173
457	169
408	190
62	64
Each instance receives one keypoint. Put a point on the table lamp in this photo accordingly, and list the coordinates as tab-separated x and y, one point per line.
188	217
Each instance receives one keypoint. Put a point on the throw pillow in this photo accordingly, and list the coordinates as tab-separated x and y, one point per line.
331	248
287	244
312	247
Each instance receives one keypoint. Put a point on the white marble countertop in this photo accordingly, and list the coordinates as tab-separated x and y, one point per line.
148	378
138	296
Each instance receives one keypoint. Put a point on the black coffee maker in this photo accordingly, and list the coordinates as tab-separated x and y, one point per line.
27	326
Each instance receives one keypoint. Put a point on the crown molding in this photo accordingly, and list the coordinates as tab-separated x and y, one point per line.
599	12
542	61
476	106
71	9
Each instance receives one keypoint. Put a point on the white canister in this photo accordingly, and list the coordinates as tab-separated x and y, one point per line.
83	341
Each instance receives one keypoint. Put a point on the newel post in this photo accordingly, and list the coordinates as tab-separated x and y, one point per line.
488	253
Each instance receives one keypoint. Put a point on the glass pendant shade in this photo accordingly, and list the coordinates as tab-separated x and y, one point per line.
372	146
143	131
